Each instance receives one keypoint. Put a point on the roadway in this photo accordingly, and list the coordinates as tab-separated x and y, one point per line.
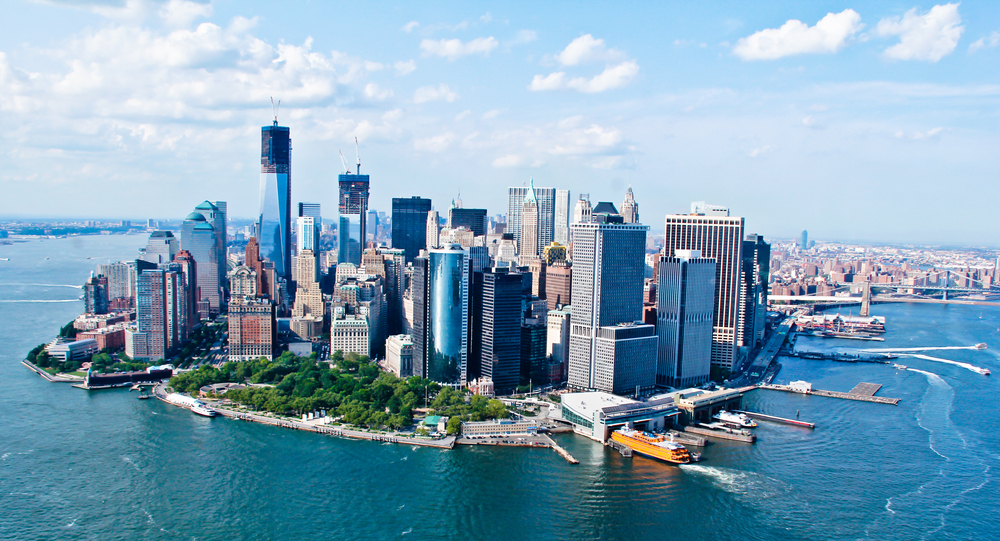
756	371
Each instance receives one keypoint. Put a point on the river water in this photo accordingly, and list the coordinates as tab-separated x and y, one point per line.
102	465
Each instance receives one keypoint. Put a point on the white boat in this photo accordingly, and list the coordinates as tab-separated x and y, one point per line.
981	345
899	366
204	411
738	419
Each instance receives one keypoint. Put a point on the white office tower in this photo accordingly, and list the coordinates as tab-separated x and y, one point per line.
560	228
433	230
546	199
685	306
630	209
720	237
610	349
305	234
581	215
701	208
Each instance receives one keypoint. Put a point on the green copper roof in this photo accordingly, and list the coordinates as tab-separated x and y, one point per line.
205	205
203	227
530	196
195	216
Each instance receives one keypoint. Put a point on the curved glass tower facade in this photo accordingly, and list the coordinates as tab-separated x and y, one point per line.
447	339
273	228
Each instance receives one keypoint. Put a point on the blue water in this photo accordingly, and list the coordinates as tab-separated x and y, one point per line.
103	465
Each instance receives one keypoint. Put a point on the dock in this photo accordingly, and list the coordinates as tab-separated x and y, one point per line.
624	450
722	435
772	418
563	452
859	396
688	439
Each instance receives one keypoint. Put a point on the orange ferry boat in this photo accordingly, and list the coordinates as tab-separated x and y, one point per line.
652	445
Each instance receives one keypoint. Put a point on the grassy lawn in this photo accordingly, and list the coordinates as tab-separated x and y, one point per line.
79	374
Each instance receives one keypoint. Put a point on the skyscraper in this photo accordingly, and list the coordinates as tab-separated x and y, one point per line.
755	272
685	301
448	314
161	247
433	230
560	226
718	236
311	210
472	219
420	298
500	335
581	215
274	223
610	349
546	212
198	237
528	244
353	231
409	224
804	240
215	214
630	209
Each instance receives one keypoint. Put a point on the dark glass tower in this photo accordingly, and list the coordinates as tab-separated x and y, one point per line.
500	338
353	217
274	226
409	224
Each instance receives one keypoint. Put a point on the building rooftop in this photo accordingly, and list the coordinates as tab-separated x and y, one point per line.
195	217
206	205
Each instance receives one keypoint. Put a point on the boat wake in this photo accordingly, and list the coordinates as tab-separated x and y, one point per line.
967	366
40	300
44	285
932	348
737	482
924	511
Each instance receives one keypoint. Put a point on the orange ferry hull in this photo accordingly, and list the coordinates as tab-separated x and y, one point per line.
649	450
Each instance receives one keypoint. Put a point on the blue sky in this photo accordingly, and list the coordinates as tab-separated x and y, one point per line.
869	121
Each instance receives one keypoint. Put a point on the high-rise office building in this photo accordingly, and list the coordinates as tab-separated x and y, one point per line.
558	285
310	210
630	209
557	338
252	329
184	262
215	214
718	236
528	244
560	225
419	297
546	212
307	239
353	231
308	296
685	300
273	229
433	231
472	219
804	240
161	247
755	274
409	224
95	295
582	212
200	238
610	349
162	312
448	316
500	334
121	283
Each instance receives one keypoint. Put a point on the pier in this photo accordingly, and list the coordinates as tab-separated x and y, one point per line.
772	418
563	452
624	450
688	439
860	396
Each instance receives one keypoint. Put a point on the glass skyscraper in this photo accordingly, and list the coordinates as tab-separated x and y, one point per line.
447	339
409	224
353	210
274	225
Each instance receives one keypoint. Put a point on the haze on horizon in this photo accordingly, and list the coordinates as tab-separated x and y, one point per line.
870	120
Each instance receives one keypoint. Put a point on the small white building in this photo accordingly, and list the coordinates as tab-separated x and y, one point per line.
399	355
78	350
500	427
801	386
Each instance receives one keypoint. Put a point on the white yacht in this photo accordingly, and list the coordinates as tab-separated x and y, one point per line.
738	419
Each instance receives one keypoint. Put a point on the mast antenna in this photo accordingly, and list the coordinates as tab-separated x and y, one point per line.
357	151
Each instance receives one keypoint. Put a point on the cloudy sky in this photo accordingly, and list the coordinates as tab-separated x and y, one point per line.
866	120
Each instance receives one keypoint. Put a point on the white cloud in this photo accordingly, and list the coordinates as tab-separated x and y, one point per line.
392	116
990	41
432	93
830	34
437	143
587	49
606	163
760	151
408	27
452	49
523	36
510	160
491	114
920	136
405	68
612	77
182	13
809	121
377	93
486	18
929	37
463	114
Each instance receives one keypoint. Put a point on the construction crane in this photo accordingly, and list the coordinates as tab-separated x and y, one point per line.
343	160
274	109
357	152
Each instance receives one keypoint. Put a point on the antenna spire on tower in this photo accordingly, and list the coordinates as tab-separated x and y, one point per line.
358	152
274	109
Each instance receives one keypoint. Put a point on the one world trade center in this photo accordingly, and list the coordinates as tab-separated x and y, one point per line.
273	228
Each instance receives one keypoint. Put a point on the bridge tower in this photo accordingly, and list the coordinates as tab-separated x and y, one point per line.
866	299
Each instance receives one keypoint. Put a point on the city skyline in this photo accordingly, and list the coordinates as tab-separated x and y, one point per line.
840	105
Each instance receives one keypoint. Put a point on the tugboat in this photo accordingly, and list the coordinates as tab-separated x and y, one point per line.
652	445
